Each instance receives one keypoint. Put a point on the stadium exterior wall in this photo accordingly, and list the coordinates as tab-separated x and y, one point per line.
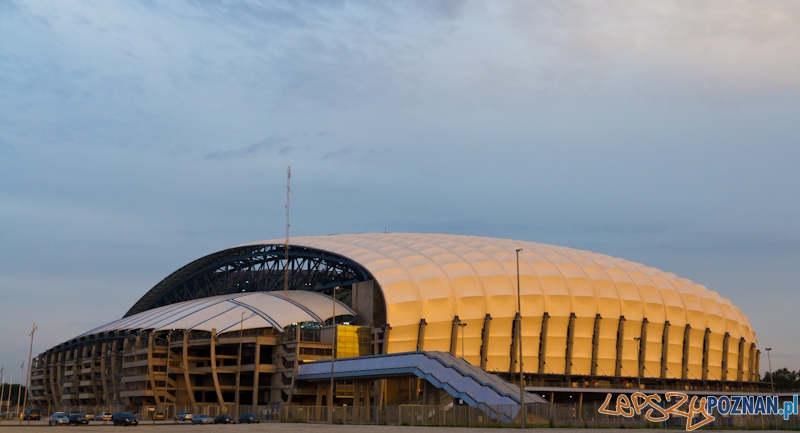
583	314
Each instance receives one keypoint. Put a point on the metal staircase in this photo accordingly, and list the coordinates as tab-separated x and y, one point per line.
460	379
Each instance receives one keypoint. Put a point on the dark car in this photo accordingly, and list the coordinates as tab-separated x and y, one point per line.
224	418
32	415
124	418
247	418
77	418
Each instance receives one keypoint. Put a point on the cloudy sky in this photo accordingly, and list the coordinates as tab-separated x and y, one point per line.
136	137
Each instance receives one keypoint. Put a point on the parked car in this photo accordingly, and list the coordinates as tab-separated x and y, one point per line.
202	418
77	418
89	415
58	418
103	416
224	418
32	415
183	416
247	418
158	416
124	418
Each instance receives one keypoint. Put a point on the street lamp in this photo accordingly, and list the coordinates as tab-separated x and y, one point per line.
239	370
639	363
166	374
519	344
8	399
462	325
333	355
771	381
28	376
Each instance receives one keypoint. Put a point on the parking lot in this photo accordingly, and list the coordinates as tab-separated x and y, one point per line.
171	426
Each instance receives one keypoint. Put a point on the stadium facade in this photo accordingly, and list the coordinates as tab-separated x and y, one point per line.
236	327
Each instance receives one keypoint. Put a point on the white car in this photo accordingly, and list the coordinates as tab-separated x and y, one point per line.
103	416
202	419
183	416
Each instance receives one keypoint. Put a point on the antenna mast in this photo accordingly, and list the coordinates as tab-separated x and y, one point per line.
286	243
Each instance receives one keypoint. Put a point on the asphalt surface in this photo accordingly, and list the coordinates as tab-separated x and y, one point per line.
171	426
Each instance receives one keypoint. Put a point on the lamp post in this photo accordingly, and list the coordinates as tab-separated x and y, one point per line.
28	376
19	390
639	363
522	420
239	370
166	374
333	355
771	381
2	387
8	399
462	325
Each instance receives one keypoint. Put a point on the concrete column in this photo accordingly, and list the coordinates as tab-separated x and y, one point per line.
454	336
186	368
687	335
620	339
543	343
642	348
487	321
570	341
214	374
103	367
725	347
595	344
740	367
256	363
115	367
157	394
367	393
55	377
76	376
421	334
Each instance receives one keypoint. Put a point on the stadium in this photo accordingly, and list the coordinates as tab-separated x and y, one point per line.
386	319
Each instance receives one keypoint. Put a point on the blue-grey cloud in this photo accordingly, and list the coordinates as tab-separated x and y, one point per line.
132	137
279	146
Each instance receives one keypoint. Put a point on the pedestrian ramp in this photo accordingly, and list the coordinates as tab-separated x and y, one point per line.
460	379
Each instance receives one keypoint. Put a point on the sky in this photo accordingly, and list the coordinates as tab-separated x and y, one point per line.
138	136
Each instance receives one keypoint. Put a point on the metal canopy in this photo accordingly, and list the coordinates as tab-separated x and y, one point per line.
225	313
253	268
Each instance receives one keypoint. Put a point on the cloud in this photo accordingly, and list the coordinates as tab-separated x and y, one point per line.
639	129
270	145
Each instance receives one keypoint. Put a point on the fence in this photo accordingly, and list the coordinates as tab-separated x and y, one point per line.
587	415
417	415
574	415
145	413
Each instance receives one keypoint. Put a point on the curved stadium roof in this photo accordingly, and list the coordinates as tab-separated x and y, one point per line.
438	277
224	313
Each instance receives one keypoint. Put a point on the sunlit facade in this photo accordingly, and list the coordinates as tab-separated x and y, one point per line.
230	328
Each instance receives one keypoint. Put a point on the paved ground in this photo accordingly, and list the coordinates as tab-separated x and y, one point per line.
171	427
